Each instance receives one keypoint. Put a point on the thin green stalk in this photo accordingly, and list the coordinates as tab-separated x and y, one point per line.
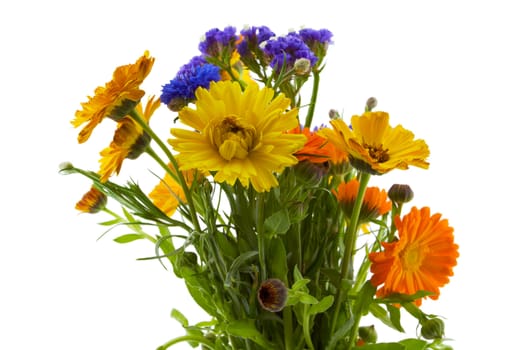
133	226
287	327
313	98
180	177
260	220
350	240
188	338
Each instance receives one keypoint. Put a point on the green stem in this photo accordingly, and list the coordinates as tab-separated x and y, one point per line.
395	211
134	226
260	220
313	98
180	177
287	326
306	329
188	338
350	240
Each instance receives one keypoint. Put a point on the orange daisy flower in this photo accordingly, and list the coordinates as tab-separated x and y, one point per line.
116	99
129	141
316	150
168	192
92	202
375	202
422	259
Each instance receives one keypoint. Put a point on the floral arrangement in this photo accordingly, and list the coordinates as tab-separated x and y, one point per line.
268	219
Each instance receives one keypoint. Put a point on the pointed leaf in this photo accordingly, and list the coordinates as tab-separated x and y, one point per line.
128	238
179	317
277	223
414	344
246	329
322	306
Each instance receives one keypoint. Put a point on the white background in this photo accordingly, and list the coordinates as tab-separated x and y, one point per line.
453	72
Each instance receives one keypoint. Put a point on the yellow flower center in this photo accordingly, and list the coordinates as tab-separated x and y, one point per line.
412	257
379	154
233	137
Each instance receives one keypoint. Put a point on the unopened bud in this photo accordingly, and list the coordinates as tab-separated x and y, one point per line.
368	334
400	193
370	104
272	295
334	114
432	328
302	66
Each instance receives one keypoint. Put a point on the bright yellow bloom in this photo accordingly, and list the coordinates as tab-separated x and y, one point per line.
129	141
374	204
376	147
422	259
239	135
116	98
168	192
92	202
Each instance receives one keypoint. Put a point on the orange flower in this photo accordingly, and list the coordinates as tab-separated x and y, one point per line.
116	98
374	204
422	259
92	202
168	192
316	149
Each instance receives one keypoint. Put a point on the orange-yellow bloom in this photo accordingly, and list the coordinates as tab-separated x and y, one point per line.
238	135
421	260
129	141
375	202
116	98
317	149
376	147
92	202
168	193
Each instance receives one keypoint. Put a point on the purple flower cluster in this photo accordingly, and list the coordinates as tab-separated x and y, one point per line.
196	73
252	39
216	41
286	50
313	37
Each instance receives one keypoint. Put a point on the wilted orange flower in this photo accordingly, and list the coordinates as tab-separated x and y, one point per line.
375	202
421	260
92	202
116	99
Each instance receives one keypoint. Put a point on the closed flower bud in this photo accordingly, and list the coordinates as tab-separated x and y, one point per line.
400	193
309	173
302	66
371	104
272	295
432	328
368	334
334	114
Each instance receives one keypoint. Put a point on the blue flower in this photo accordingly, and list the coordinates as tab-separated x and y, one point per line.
181	90
312	37
288	49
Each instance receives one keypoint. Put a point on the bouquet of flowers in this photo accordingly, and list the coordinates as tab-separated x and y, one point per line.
268	219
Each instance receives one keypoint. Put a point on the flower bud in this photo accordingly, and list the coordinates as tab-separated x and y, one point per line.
400	193
272	295
370	104
309	173
368	334
432	328
334	114
92	201
302	66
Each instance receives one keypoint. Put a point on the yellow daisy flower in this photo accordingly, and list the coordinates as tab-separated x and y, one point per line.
239	135
129	141
376	147
116	98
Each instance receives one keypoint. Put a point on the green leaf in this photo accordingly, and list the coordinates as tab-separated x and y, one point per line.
322	306
384	316
277	257
382	346
306	298
365	298
247	329
110	222
394	316
128	238
236	264
340	333
277	223
179	317
414	344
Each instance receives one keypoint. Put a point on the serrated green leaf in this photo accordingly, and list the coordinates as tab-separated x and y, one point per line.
128	238
176	314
